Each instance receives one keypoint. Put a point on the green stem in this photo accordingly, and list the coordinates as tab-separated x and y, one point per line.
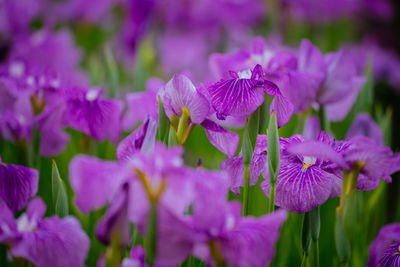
315	247
304	260
323	120
246	189
114	252
151	237
271	202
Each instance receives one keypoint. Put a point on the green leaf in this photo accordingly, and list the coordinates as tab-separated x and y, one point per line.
247	148
342	244
273	148
60	199
172	139
163	123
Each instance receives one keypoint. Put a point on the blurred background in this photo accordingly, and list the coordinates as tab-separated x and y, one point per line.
119	44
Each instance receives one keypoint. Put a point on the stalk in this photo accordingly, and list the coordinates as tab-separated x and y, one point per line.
247	150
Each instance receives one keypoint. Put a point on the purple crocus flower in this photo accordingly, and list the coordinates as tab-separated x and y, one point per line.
385	250
44	241
304	182
99	118
18	184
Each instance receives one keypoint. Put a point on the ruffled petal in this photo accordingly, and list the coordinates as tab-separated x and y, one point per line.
226	141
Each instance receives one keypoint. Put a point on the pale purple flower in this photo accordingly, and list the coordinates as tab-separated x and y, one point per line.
18	184
385	250
44	241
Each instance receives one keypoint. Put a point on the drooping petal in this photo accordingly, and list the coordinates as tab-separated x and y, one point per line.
283	109
300	189
252	241
94	181
17	185
55	241
180	93
143	138
226	141
8	225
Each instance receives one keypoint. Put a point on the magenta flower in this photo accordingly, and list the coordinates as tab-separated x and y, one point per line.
364	125
43	241
305	182
18	184
385	250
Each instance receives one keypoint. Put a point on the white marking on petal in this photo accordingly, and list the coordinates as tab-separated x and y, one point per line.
30	80
246	74
16	69
24	225
92	94
230	222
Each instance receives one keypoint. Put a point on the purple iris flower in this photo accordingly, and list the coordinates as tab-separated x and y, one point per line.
136	258
305	182
97	117
244	92
385	250
18	184
179	94
221	230
43	241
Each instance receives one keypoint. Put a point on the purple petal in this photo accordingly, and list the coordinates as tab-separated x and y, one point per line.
387	235
99	118
17	185
283	109
180	93
143	138
141	105
8	225
53	139
311	128
364	125
300	190
319	150
226	141
61	242
252	242
115	221
94	181
311	59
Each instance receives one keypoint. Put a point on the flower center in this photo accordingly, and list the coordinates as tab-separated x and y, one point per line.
308	162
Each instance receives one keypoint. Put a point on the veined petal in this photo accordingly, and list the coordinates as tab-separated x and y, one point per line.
17	185
387	236
300	190
283	109
94	181
226	141
182	94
